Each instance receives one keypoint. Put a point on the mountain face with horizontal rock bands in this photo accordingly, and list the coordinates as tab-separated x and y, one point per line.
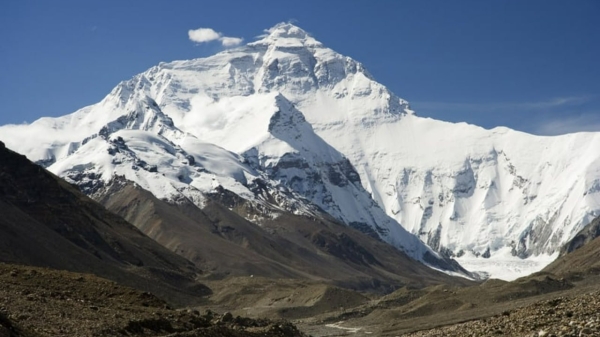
292	126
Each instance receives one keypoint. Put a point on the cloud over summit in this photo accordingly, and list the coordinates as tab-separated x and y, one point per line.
204	35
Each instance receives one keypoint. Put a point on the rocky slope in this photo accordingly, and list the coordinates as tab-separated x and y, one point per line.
43	302
581	255
562	316
562	300
220	240
321	133
49	223
570	307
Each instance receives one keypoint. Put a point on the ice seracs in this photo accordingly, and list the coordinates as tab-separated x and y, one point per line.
315	126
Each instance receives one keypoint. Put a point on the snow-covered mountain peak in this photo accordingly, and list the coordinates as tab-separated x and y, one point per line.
143	114
286	35
288	125
305	118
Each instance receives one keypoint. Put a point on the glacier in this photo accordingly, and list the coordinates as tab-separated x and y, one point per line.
322	134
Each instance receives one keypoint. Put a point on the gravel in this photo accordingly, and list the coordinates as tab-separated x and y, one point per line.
564	316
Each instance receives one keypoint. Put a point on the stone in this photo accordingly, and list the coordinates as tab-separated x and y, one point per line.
227	317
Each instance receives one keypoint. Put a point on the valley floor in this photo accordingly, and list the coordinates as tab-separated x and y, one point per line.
569	312
538	305
45	302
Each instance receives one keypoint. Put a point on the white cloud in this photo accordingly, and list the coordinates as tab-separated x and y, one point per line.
203	35
205	114
228	41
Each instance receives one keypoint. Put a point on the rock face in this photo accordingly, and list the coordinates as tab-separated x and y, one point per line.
580	255
312	125
588	234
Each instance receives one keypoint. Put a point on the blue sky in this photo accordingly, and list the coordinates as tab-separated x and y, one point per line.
529	65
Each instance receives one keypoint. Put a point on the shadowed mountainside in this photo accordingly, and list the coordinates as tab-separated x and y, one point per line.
220	240
48	223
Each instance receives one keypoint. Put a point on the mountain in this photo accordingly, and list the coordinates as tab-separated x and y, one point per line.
219	240
290	124
48	223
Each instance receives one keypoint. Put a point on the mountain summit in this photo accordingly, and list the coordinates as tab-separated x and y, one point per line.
286	34
289	124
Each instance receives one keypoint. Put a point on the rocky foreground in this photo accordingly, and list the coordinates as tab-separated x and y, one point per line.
564	316
44	302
